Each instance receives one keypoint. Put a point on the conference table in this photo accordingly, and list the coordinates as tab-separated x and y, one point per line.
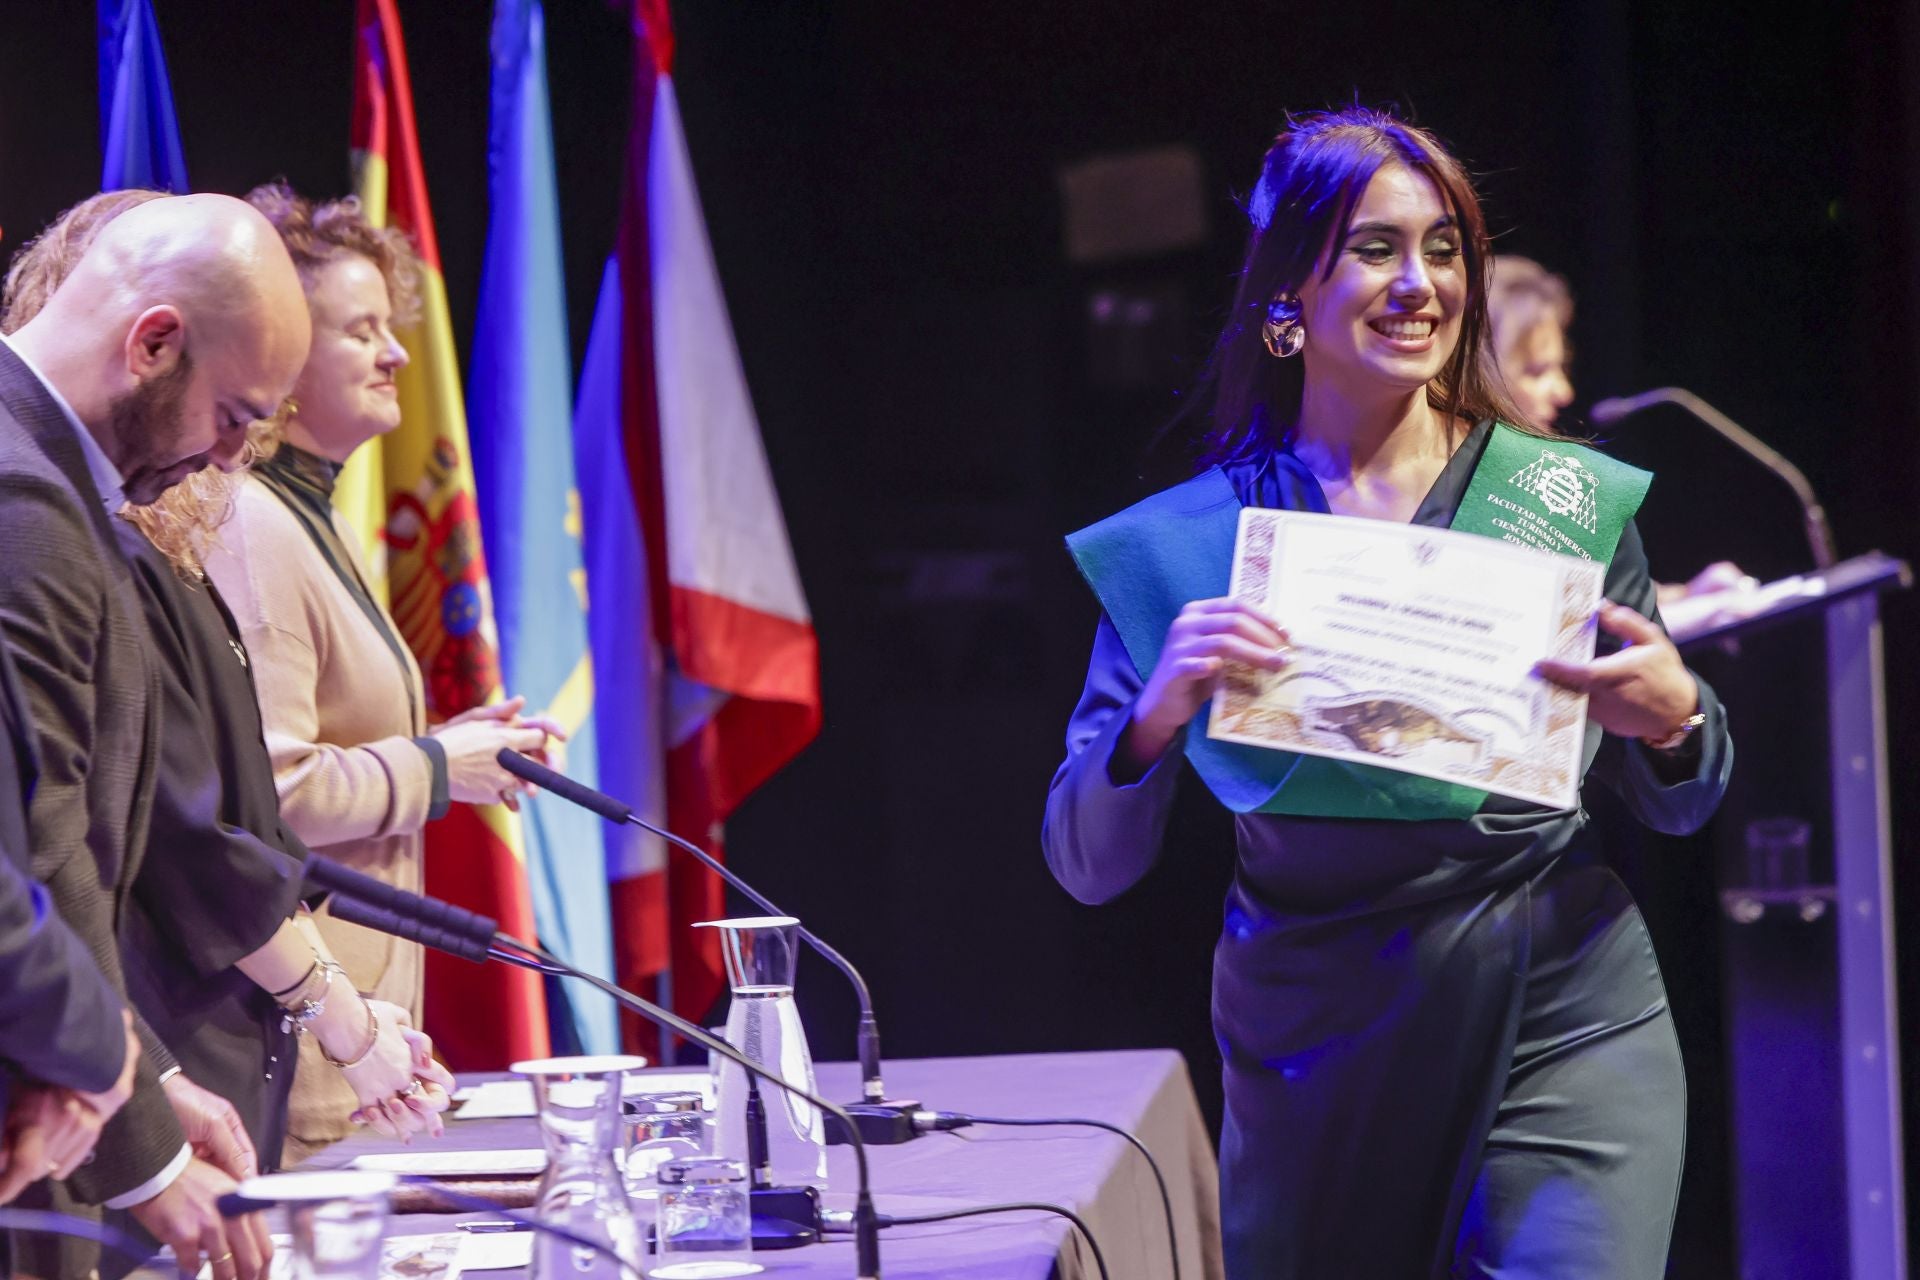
1095	1174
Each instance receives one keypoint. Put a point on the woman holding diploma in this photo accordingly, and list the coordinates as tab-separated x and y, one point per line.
1447	1046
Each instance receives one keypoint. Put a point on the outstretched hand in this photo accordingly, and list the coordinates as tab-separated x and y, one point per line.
1643	691
186	1216
213	1128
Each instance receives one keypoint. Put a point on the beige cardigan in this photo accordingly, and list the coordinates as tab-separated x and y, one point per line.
340	718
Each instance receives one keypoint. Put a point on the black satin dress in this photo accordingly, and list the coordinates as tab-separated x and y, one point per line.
1447	1047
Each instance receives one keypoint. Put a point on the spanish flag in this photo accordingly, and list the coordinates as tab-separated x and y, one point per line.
411	496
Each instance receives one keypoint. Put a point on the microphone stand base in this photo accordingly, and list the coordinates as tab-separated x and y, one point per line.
785	1217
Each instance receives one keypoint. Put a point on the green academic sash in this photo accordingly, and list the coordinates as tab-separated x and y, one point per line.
1147	562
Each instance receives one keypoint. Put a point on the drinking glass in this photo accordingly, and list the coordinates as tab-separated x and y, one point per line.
705	1230
659	1127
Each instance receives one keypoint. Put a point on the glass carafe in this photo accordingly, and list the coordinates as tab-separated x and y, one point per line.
764	1024
578	1102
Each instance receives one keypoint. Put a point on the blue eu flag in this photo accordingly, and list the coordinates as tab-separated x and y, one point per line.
519	409
139	136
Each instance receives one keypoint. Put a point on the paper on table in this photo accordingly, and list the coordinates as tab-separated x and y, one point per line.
513	1099
459	1164
494	1100
496	1250
439	1256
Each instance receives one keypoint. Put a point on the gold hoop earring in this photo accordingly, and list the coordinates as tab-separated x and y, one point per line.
1283	332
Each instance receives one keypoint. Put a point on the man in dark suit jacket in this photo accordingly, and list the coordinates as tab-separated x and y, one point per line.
184	322
63	1033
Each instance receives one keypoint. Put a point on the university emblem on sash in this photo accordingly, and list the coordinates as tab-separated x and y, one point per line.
1564	484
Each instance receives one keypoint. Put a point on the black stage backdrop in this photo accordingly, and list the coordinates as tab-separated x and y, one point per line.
943	394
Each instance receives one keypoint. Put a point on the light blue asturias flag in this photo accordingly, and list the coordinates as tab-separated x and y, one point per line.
519	406
139	136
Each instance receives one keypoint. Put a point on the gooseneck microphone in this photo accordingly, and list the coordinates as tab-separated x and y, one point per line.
48	1222
1819	535
418	917
375	904
872	1089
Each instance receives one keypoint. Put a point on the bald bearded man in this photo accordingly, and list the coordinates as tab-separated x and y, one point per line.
184	322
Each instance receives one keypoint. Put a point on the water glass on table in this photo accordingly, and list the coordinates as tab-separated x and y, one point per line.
705	1228
659	1127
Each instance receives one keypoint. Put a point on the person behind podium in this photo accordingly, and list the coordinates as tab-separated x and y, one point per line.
1531	309
1447	1047
359	770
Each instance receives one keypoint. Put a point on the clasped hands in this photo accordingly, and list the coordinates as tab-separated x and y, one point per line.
50	1130
400	1088
473	740
1642	691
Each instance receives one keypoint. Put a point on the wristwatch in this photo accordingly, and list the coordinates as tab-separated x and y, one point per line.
1678	738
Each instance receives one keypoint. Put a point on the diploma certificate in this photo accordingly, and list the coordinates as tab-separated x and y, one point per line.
1413	649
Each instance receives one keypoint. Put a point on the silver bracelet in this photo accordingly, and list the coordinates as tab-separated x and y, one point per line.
294	1019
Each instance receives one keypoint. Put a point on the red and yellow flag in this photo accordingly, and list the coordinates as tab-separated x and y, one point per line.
410	495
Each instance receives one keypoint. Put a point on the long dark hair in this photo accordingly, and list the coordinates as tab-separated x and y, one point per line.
1314	174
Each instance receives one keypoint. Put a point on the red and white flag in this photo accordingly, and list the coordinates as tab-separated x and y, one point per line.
731	692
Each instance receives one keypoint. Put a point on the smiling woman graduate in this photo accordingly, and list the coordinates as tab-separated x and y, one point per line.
1447	1044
